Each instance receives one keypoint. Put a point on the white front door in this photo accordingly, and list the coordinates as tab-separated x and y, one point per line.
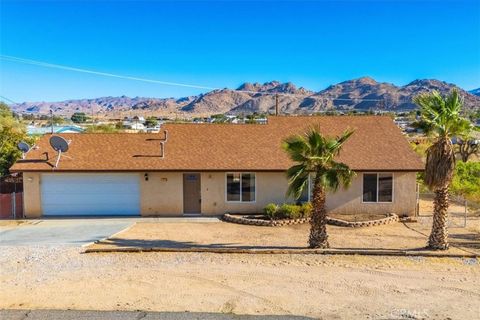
90	194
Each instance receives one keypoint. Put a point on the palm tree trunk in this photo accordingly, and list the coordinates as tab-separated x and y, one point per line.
439	237
318	224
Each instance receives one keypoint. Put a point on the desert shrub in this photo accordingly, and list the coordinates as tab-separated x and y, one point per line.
306	209
466	181
290	211
271	210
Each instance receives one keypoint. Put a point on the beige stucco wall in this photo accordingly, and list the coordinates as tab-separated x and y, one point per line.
350	201
162	194
271	187
31	195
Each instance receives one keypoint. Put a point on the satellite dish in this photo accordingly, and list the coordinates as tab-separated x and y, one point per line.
24	147
59	144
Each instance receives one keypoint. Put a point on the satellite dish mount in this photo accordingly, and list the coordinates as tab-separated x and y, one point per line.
24	147
60	145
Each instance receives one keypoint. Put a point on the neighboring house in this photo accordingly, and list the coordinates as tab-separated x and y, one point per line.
134	126
211	169
32	130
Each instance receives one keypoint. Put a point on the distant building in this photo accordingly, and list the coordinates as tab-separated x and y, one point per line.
33	130
133	126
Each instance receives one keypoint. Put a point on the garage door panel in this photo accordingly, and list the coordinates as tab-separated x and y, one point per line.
90	194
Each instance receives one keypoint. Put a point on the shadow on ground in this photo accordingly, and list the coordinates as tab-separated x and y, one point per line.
133	315
461	241
467	240
142	243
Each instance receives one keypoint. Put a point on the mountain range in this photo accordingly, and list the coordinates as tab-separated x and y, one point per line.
359	94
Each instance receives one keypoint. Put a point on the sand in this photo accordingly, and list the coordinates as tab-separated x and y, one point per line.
318	286
331	287
395	236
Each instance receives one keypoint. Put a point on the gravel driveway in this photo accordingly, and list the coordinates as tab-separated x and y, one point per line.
130	315
71	232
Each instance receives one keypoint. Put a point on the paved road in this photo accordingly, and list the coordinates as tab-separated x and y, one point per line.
129	315
73	232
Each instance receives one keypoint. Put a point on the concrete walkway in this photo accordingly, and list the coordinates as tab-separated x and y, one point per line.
76	231
130	315
72	232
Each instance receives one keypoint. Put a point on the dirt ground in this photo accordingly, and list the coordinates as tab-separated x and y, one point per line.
408	236
317	286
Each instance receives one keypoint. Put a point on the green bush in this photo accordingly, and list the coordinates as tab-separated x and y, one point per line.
271	210
466	181
290	211
306	210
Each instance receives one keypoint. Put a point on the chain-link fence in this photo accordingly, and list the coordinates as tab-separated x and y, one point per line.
11	197
459	210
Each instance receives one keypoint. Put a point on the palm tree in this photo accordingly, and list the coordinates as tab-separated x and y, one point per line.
314	156
441	119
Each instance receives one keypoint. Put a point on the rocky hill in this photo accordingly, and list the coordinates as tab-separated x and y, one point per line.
475	92
361	94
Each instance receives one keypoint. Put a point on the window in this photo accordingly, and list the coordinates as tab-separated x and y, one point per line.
377	187
306	193
241	187
370	187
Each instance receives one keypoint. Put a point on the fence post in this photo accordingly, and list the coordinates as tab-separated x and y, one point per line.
14	205
417	204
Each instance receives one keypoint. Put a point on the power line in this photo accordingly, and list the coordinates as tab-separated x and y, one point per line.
168	83
106	74
7	99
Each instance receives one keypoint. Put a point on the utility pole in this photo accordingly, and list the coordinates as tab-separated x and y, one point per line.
51	119
276	104
93	118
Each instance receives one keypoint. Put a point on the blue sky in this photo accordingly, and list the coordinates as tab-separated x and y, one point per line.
225	43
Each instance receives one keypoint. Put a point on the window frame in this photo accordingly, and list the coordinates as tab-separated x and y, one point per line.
241	200
378	175
309	190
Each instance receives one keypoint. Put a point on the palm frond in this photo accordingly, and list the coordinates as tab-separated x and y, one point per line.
297	184
315	153
442	116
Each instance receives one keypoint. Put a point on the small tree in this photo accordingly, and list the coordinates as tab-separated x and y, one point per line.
467	146
79	117
12	131
151	122
102	128
314	155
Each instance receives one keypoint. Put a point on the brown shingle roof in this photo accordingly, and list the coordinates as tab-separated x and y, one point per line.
377	144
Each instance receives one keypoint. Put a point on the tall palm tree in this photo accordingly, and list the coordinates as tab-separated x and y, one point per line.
314	156
441	119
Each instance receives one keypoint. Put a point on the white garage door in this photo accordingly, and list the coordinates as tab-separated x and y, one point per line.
90	194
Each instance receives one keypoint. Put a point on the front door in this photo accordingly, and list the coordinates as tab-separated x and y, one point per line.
191	193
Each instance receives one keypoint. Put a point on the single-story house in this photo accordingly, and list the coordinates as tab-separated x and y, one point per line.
210	169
